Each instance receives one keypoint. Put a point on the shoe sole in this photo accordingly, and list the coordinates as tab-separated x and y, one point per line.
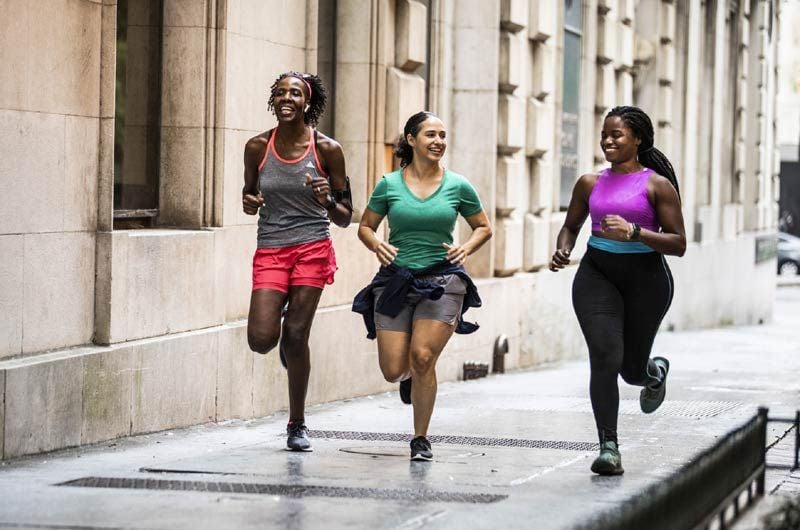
604	471
420	458
299	450
664	389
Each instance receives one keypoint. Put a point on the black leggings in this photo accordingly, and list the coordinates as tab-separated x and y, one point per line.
620	300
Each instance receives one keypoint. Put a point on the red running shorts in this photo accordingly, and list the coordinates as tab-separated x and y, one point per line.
310	264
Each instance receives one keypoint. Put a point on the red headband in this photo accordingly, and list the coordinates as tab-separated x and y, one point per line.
308	86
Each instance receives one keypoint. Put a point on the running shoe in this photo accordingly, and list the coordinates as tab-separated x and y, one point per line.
405	391
653	395
280	346
421	449
297	437
610	461
282	357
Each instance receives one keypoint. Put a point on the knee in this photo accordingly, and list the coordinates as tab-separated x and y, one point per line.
294	334
631	377
422	360
261	342
605	365
393	374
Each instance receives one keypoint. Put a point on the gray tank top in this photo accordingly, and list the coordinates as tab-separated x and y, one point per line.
290	215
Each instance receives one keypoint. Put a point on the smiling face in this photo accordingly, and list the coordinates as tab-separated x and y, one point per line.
617	141
290	99
430	142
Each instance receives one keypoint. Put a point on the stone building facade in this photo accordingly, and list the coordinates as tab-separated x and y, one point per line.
125	270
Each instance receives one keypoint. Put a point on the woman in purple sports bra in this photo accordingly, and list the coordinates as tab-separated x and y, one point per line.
623	286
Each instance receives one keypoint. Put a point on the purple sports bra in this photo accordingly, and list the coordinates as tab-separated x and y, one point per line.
623	194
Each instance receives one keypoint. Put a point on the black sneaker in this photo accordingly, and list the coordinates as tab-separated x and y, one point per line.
297	437
421	449
652	396
282	357
405	391
280	346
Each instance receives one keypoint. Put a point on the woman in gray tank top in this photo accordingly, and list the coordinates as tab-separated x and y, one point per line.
294	179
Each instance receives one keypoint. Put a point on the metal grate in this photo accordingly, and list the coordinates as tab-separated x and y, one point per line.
680	409
286	490
457	440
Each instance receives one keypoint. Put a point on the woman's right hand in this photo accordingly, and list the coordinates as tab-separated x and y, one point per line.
560	259
386	253
251	203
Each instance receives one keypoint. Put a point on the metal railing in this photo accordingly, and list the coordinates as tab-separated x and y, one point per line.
710	490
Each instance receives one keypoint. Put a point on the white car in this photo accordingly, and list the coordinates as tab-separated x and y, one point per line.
788	254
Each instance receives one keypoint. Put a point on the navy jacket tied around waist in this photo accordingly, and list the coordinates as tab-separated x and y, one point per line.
399	281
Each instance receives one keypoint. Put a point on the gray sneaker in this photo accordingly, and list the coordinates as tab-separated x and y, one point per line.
610	461
421	449
297	437
653	394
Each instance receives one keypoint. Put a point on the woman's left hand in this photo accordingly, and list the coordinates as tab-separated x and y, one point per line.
456	254
615	227
320	187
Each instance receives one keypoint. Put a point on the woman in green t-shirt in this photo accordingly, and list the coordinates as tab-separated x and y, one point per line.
421	289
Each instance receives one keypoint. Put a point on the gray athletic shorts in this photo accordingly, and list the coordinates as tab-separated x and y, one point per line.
446	309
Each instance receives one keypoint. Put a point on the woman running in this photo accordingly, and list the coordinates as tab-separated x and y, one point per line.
623	286
417	298
294	179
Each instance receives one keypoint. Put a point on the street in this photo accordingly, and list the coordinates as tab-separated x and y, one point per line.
514	451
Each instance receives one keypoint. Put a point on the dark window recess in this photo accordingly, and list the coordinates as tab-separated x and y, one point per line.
137	114
570	110
326	62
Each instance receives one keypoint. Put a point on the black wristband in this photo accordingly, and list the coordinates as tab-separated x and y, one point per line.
331	204
636	231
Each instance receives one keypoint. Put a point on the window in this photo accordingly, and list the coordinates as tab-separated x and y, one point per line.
326	62
137	112
570	110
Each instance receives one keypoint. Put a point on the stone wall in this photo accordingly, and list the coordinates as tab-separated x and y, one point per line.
108	333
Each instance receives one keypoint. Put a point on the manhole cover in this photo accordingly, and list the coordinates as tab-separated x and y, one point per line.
285	490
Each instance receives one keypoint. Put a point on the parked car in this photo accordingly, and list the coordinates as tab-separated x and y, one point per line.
788	254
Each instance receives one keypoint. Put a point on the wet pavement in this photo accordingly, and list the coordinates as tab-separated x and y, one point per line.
511	451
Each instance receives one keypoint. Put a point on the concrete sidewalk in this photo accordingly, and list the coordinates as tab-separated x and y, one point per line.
515	452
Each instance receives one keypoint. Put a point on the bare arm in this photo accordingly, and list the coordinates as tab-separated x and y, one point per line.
481	233
367	229
254	151
333	161
577	212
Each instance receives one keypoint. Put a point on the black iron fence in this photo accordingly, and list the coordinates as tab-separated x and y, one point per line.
708	491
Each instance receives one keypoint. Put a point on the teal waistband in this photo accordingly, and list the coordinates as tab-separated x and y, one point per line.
618	247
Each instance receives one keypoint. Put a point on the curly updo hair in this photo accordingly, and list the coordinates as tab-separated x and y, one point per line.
650	157
316	99
403	149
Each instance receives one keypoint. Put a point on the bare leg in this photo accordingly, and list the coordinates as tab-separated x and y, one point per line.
264	321
303	301
428	339
393	355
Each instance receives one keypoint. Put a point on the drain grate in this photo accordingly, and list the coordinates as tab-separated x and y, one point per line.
682	409
285	490
457	440
678	409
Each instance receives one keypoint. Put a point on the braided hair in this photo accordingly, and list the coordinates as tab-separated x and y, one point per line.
315	100
650	157
403	149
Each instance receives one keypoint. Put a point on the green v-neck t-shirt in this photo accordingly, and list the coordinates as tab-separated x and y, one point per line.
418	227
